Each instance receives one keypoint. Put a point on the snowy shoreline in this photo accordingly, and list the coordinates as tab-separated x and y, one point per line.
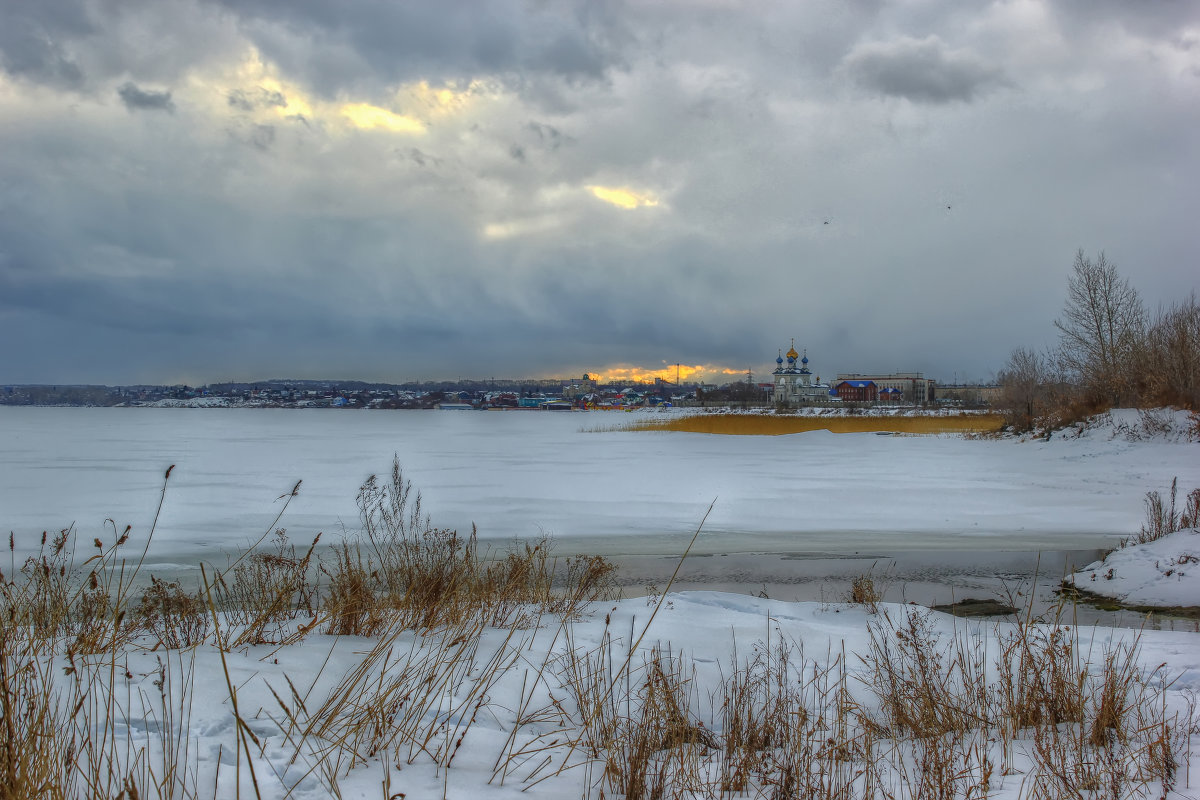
1161	574
498	710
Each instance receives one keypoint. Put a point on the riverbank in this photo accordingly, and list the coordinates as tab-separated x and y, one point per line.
782	424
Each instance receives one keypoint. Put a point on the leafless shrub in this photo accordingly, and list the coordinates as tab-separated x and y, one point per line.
1171	356
864	593
1101	328
406	572
639	723
350	603
1121	745
1163	519
926	688
1040	679
266	588
175	618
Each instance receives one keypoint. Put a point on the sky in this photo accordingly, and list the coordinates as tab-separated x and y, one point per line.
204	190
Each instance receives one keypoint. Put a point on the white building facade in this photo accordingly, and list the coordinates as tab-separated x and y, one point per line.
914	387
794	382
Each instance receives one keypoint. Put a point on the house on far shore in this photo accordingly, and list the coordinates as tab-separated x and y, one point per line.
857	391
913	387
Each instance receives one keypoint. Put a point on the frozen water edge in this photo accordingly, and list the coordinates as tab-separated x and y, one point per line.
819	500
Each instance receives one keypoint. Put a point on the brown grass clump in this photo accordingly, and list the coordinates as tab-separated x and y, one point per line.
404	572
926	687
1041	680
639	723
863	592
924	713
778	425
175	618
265	589
1162	518
411	695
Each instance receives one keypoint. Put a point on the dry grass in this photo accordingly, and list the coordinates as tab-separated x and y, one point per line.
864	592
778	425
266	589
925	712
403	572
1163	518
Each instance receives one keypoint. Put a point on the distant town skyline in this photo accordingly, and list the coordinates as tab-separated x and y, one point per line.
195	191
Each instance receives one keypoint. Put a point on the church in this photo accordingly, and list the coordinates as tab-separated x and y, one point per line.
794	383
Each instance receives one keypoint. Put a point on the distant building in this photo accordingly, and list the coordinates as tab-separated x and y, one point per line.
857	391
969	394
579	387
913	386
890	395
794	383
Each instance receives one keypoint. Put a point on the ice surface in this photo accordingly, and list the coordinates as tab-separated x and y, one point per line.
515	473
521	473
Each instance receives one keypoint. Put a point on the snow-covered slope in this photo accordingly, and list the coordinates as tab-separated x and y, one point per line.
1162	573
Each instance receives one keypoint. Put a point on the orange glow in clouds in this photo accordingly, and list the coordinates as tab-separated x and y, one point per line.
687	372
622	197
365	115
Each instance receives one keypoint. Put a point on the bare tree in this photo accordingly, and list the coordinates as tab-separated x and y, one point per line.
1172	356
1025	387
1101	329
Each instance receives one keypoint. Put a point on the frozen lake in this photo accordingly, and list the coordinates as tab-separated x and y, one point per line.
781	502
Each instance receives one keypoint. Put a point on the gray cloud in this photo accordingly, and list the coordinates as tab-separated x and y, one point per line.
256	98
1155	18
548	136
471	238
137	99
33	40
921	70
338	47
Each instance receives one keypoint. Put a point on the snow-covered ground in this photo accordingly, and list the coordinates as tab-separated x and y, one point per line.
401	736
1162	573
514	474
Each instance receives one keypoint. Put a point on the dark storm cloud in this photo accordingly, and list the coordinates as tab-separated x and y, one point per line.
138	99
253	99
33	40
548	136
921	70
526	188
337	45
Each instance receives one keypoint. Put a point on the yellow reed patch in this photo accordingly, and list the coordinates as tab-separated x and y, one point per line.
777	425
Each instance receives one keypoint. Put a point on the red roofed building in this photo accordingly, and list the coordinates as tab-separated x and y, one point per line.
857	391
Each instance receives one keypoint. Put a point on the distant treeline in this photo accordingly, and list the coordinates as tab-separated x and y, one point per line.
1111	353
